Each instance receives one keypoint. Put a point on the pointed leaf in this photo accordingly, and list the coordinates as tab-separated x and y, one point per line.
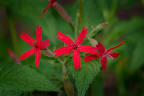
22	78
84	76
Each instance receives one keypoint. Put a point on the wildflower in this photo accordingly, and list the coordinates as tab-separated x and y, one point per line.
38	46
104	54
51	4
74	47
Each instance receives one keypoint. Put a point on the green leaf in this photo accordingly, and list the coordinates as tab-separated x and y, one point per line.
13	93
22	78
84	76
137	58
49	69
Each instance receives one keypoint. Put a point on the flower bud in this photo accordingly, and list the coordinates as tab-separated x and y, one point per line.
62	11
78	14
14	57
47	52
93	42
102	25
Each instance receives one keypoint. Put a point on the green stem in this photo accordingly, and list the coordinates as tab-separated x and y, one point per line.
76	23
113	10
76	26
67	84
13	35
81	14
60	61
92	31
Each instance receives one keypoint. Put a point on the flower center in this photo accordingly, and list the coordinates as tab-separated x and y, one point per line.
35	45
75	46
109	54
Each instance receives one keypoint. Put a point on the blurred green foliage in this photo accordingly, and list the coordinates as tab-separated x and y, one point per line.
124	24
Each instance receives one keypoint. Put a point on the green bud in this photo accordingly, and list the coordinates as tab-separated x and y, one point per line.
47	52
93	42
78	14
102	25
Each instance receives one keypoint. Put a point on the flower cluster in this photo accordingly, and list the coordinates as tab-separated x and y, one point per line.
73	47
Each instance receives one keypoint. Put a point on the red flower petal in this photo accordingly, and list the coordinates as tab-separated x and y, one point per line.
114	55
104	63
76	59
63	50
39	35
115	47
81	36
100	47
27	38
65	38
87	49
46	9
91	57
37	57
44	44
27	54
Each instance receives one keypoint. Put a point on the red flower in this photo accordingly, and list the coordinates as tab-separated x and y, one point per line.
74	47
104	54
51	3
37	45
